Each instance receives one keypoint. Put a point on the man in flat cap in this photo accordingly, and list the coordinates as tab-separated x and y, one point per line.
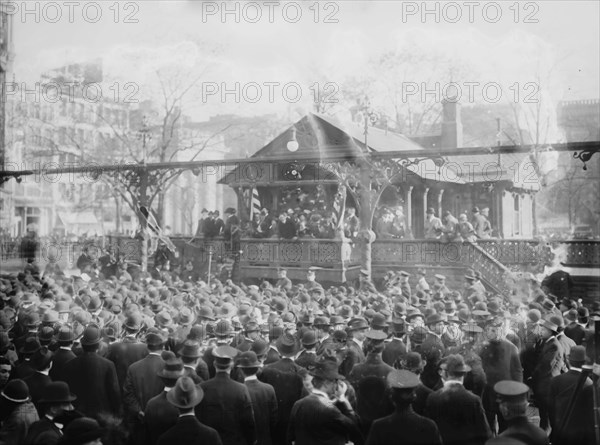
227	406
457	412
513	404
325	416
404	426
188	430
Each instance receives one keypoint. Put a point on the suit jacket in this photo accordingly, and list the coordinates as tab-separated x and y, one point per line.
404	428
562	388
227	407
159	417
36	384
393	350
188	430
285	378
59	359
93	379
314	423
43	432
500	361
14	429
459	415
123	354
264	405
272	356
22	370
142	383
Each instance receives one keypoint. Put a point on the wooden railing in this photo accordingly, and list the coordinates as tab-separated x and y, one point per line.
337	258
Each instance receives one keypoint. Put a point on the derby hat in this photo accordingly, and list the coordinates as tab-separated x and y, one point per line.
57	392
260	347
412	362
248	359
154	337
134	321
224	328
434	319
398	326
186	394
16	391
379	322
309	338
82	430
419	334
172	367
41	358
91	335
31	345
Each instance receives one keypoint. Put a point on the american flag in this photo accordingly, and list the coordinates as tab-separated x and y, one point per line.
255	205
155	229
339	206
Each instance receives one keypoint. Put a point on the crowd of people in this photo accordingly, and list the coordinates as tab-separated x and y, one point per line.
389	223
120	360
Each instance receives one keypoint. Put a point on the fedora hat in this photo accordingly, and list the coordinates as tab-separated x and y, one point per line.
57	392
412	362
154	337
134	322
260	347
434	319
190	349
357	324
548	325
326	370
286	344
309	338
172	368
186	394
379	321
248	359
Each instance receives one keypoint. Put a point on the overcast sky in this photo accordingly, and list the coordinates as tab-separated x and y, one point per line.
565	41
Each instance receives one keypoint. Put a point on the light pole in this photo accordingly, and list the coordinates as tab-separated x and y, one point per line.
145	136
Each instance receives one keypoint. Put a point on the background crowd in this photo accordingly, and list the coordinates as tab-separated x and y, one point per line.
147	360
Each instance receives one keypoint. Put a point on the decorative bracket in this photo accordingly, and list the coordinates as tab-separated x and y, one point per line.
586	155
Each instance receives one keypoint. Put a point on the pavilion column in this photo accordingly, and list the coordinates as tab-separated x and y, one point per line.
497	220
425	193
439	203
408	205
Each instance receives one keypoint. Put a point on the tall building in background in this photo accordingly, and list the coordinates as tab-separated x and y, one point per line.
73	127
6	59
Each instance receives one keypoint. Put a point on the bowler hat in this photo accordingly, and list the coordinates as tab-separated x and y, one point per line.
434	319
154	337
309	338
31	345
248	359
134	322
41	358
418	335
82	430
260	347
223	328
16	391
412	362
91	335
186	394
379	322
173	366
403	379
57	392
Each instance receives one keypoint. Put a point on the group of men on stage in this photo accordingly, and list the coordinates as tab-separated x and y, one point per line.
142	361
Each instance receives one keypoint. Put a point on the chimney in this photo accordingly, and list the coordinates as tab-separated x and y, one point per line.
452	129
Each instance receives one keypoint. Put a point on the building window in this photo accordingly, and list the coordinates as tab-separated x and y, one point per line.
517	215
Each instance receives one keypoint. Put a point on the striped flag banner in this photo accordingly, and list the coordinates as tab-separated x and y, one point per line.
155	229
255	205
